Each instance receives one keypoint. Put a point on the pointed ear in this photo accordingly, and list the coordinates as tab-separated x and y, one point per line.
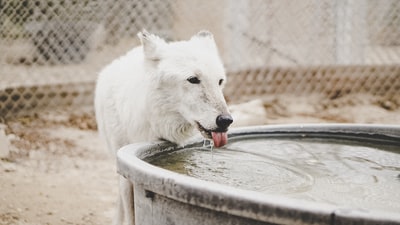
152	45
206	37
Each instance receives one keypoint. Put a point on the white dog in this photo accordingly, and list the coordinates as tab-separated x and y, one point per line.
161	91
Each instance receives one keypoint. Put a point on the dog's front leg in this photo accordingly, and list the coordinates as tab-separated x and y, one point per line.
126	210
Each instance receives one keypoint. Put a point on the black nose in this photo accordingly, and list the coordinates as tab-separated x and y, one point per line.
223	121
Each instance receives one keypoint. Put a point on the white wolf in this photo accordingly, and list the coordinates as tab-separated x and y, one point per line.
161	91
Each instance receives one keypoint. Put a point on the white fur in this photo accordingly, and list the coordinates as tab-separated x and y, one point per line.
145	96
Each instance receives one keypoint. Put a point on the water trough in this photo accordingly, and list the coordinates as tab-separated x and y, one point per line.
281	174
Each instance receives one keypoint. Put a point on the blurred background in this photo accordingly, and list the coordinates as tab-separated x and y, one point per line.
52	50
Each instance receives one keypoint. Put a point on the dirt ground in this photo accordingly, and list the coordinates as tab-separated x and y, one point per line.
55	169
57	172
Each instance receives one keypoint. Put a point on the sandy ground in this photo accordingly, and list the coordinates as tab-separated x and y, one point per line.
57	170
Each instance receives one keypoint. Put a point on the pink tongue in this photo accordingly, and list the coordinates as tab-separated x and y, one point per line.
220	138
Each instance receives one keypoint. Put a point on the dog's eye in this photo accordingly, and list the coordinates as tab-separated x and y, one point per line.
193	80
220	82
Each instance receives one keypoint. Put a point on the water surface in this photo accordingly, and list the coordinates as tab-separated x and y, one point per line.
347	173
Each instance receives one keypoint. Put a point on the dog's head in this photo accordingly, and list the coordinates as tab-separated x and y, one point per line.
189	77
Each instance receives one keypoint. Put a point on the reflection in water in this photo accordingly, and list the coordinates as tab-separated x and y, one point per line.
343	173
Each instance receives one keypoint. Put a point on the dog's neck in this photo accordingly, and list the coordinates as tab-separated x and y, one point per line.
174	128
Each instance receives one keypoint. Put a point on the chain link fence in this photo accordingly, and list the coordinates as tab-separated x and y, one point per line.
52	50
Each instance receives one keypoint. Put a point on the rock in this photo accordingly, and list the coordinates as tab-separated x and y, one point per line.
248	113
4	145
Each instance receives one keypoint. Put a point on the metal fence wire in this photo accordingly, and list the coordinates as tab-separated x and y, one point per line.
52	50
